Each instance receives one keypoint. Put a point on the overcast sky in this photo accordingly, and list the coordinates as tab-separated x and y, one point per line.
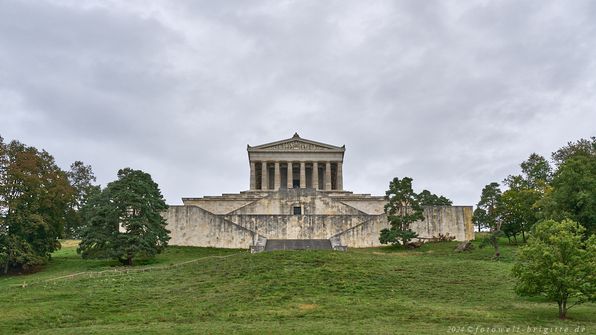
454	94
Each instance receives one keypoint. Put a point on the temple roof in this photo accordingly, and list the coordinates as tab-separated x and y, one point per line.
295	144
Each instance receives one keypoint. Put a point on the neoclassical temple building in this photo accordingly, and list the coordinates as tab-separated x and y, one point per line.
296	163
296	200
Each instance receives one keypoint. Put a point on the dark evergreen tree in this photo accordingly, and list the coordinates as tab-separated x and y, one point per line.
402	210
426	198
124	220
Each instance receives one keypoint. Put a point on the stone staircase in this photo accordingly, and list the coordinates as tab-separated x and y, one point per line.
272	245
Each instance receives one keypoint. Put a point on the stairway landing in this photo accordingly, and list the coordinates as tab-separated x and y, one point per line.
298	245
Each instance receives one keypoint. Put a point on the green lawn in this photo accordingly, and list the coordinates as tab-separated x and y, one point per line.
366	291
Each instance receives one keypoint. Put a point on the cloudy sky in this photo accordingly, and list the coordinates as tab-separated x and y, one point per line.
454	94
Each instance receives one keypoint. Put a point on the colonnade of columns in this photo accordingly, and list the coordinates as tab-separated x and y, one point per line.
308	175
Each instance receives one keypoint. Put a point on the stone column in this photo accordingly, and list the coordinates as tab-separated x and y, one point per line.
253	179
315	175
328	176
302	175
340	177
290	176
264	176
277	177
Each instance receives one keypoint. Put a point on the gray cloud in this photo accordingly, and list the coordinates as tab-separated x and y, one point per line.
454	94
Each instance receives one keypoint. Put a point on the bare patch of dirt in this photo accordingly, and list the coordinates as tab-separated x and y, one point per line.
307	307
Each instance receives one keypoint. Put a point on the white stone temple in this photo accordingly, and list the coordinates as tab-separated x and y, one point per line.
296	200
296	163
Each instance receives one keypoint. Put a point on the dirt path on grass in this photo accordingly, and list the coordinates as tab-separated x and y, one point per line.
119	271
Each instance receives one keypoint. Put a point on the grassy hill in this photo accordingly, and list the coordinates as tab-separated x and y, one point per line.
366	291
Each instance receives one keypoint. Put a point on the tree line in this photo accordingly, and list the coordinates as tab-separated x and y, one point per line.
40	204
549	205
563	189
552	206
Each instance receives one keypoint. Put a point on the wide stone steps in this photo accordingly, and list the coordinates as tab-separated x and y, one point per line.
272	245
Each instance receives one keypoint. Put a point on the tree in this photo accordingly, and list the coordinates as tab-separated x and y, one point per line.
490	200
34	198
426	198
520	203
573	190
558	264
402	209
124	221
518	211
583	147
480	218
81	177
536	174
536	171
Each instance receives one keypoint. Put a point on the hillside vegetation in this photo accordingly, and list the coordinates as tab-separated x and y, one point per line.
364	291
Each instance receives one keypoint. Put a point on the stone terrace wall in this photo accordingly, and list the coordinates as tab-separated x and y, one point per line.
453	220
193	226
298	226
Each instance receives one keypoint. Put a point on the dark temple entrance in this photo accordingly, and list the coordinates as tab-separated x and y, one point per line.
298	245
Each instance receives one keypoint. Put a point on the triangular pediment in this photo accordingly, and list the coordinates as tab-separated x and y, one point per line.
296	143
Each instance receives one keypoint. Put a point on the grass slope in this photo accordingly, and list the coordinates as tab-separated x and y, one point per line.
381	291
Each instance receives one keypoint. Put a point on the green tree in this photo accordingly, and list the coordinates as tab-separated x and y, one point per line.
573	190
582	147
558	264
426	198
34	198
81	177
518	211
402	209
124	221
480	219
536	171
520	203
490	201
536	174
